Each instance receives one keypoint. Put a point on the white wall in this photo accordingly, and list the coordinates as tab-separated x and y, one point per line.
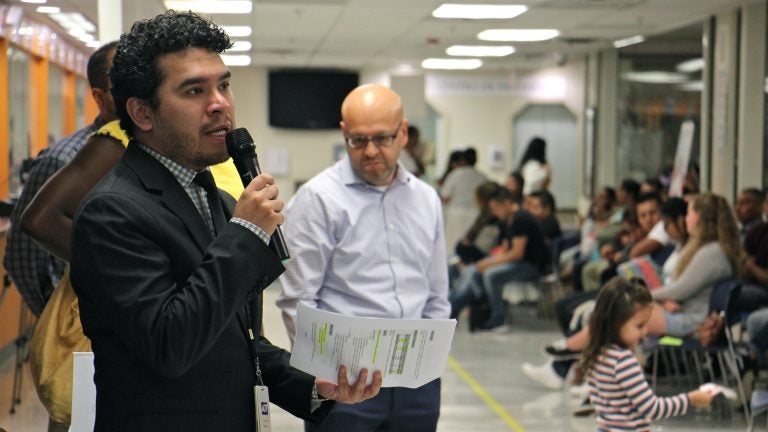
478	110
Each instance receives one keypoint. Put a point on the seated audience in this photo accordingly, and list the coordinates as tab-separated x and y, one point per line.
711	254
515	183
541	205
749	209
599	228
481	236
627	193
522	258
754	291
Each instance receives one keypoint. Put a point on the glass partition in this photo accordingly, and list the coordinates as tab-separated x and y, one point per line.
18	85
80	95
55	103
660	86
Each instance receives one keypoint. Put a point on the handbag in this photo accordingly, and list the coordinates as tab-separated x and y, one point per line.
57	335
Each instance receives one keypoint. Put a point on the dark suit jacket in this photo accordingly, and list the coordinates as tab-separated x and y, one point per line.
159	299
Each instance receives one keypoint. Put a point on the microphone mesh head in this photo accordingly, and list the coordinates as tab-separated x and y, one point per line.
239	141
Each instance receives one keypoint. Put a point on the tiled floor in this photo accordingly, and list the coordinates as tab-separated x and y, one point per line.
500	397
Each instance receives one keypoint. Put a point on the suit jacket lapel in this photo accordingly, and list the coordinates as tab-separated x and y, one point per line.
159	181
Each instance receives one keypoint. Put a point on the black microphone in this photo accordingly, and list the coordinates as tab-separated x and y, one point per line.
242	150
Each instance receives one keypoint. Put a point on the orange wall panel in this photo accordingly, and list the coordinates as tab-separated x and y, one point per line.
4	118
69	104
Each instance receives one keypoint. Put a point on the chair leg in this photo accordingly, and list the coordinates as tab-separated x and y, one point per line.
697	363
732	362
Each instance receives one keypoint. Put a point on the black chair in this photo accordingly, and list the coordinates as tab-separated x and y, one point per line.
688	358
544	291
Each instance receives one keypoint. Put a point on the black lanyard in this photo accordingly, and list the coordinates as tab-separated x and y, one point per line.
247	328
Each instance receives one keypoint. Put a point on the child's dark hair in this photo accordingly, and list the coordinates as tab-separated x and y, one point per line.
617	302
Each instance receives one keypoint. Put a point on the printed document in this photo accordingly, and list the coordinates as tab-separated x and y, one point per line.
408	352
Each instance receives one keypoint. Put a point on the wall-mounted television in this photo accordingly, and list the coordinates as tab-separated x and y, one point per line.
308	98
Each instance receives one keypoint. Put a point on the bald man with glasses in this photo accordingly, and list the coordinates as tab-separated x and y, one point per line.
366	237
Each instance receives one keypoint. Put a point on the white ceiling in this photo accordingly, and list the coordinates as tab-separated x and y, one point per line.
358	34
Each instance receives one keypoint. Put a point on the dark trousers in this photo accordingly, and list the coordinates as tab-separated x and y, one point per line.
752	297
394	409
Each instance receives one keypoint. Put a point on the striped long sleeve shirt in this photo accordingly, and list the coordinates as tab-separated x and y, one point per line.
622	398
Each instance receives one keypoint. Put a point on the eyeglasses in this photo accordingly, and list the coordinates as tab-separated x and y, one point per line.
361	141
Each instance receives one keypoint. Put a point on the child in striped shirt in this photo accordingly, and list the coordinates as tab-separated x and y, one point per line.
622	398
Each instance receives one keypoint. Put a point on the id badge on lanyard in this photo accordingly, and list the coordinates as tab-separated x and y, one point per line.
263	421
260	391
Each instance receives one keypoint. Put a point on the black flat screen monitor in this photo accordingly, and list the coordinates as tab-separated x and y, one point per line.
308	98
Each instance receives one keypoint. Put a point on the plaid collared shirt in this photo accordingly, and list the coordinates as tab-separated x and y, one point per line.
33	270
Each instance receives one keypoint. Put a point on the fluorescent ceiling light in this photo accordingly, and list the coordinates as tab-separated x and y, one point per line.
518	35
77	32
480	50
211	7
655	77
478	11
405	69
439	63
73	20
696	86
48	9
236	60
621	43
94	44
238	31
692	65
240	46
34	1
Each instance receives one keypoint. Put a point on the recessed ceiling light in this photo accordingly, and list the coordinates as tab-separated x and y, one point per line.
405	69
238	31
240	46
236	60
211	7
48	9
439	63
518	35
478	11
74	20
692	65
655	77
621	43
696	86
480	50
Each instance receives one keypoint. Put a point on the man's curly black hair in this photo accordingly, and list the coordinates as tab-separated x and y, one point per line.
134	70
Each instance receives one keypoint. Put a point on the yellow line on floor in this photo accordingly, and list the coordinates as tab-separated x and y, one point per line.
484	395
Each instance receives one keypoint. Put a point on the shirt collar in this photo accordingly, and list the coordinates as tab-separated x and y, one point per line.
183	174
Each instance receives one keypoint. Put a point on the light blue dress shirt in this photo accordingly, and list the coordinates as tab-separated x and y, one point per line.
361	250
